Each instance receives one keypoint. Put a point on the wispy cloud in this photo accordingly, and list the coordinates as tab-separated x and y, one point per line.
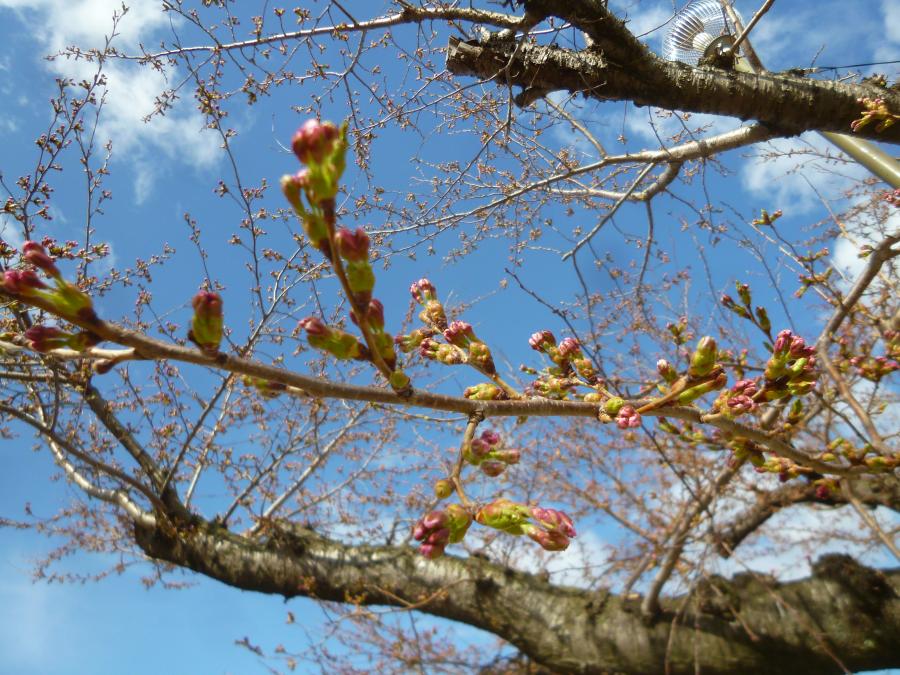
176	139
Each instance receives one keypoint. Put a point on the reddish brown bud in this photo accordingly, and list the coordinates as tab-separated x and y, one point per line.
314	141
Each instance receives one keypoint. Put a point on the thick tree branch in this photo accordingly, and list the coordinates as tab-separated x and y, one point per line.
871	491
787	104
855	610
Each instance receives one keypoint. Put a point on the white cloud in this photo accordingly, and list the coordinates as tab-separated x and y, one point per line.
793	538
154	146
891	11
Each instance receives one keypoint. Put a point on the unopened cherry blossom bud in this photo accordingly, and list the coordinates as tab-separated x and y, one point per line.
508	456
743	292
352	246
484	392
741	403
745	387
450	355
315	141
585	368
492	467
504	515
613	406
423	291
292	186
35	253
542	341
460	334
206	325
336	342
762	317
704	358
628	418
46	338
399	381
553	519
443	489
569	348
480	357
437	529
22	282
408	343
666	371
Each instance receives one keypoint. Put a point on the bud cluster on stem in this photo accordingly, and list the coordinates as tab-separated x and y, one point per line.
322	148
550	528
63	299
489	454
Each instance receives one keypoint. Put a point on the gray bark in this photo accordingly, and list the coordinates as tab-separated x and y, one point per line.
844	613
619	68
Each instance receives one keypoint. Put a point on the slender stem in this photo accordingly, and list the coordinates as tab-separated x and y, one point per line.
456	476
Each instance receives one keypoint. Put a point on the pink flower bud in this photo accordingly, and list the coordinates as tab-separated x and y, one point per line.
490	437
745	387
542	340
569	348
352	246
46	338
423	291
628	418
552	519
492	467
22	282
35	253
314	141
460	334
207	325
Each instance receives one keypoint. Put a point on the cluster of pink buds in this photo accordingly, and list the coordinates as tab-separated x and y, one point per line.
791	370
460	334
62	299
410	342
569	362
740	398
432	314
550	528
336	342
438	528
874	369
892	197
207	323
449	355
628	418
322	147
487	453
47	338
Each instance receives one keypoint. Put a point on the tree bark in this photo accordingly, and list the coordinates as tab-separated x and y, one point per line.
844	616
787	104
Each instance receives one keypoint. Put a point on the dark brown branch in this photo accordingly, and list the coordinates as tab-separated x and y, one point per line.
871	491
855	610
788	104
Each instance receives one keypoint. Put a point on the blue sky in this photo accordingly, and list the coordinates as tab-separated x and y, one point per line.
168	166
